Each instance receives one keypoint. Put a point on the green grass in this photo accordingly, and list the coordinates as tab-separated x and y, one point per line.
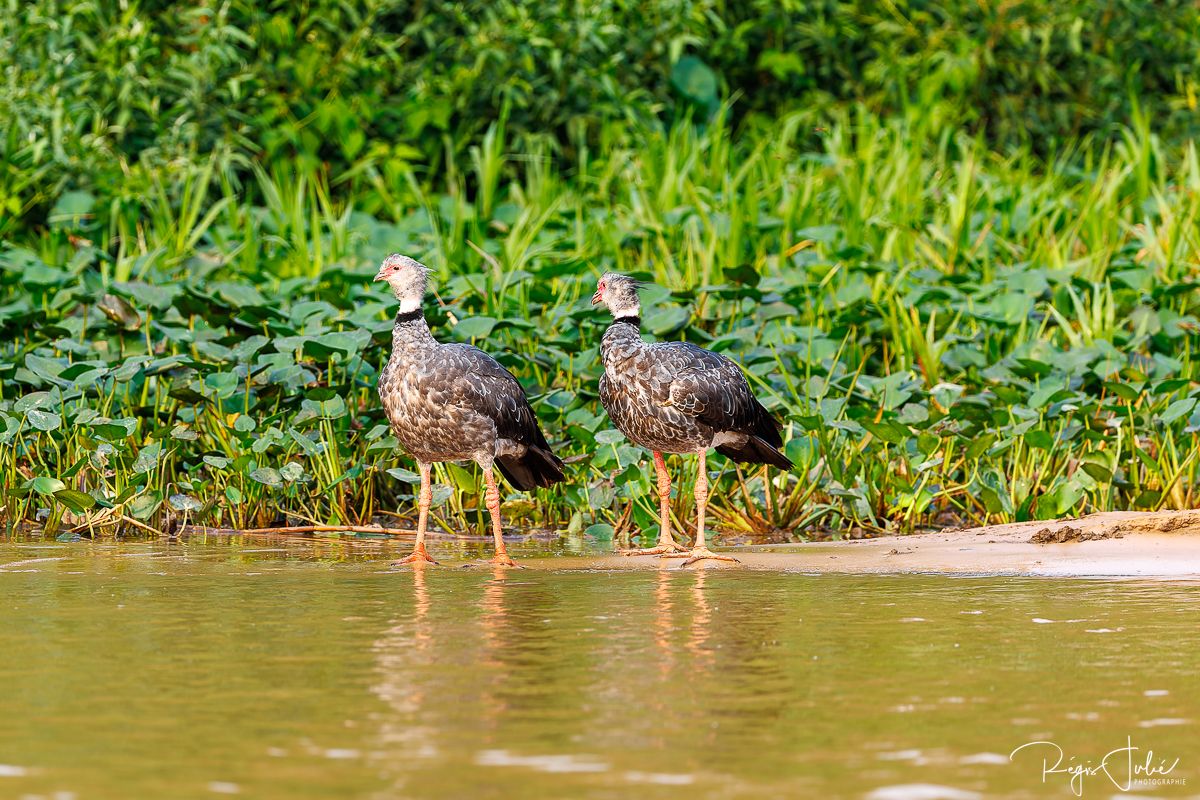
951	335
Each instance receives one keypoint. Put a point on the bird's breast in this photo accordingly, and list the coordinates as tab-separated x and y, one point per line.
639	406
426	420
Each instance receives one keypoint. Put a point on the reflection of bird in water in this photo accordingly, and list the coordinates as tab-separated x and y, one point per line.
454	402
667	584
701	617
681	607
664	623
401	653
675	397
422	631
495	616
523	665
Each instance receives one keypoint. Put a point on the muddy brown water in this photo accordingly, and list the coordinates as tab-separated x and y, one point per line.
211	669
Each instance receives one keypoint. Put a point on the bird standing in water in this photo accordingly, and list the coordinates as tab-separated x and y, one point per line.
675	397
454	402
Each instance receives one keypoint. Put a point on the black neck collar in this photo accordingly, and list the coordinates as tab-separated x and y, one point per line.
410	316
635	321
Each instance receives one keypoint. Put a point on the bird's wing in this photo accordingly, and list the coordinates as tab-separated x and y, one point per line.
479	383
711	388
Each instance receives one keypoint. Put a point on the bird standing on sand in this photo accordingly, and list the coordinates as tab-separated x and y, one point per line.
675	397
454	402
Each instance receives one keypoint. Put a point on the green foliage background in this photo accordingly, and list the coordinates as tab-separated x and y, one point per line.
92	87
954	244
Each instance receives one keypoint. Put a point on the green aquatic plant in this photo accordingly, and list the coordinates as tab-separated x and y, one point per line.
951	335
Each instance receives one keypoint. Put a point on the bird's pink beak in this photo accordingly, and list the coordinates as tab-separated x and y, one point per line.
597	298
379	276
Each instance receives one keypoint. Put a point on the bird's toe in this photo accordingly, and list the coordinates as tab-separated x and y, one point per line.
417	557
704	554
664	549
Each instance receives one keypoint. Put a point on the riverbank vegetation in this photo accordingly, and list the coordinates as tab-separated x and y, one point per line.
959	318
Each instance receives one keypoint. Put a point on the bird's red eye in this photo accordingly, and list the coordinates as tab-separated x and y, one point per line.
601	287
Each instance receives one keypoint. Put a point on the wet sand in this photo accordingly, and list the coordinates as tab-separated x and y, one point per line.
1113	544
1161	544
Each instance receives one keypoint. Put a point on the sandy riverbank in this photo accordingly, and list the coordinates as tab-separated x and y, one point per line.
1119	543
1163	544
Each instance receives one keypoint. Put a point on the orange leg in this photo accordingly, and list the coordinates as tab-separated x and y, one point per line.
419	554
666	544
700	551
493	507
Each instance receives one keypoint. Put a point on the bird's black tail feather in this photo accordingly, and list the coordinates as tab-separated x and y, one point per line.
755	451
537	467
762	446
766	427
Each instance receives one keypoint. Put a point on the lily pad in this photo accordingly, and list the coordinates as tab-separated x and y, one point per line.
74	500
267	476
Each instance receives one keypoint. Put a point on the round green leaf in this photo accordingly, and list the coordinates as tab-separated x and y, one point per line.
144	505
46	485
43	420
695	80
76	501
474	327
601	532
183	502
267	476
609	436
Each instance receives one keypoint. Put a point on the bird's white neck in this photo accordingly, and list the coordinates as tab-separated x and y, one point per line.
627	311
409	288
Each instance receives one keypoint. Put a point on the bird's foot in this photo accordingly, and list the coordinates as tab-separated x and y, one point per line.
419	556
678	552
505	560
704	554
665	549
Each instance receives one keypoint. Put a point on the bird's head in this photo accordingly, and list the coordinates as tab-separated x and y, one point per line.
407	277
619	293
